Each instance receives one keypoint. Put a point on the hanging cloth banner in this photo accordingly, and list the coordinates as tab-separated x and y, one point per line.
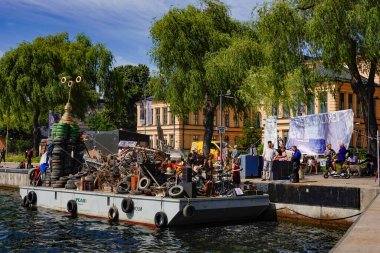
270	131
312	133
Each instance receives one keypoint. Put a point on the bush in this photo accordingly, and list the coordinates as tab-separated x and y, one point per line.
19	146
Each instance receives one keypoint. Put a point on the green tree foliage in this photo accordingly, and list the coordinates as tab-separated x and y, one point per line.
201	52
129	85
30	78
99	121
334	33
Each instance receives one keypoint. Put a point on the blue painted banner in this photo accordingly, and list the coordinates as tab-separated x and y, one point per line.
312	133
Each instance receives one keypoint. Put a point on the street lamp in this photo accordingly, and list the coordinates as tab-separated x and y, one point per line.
222	129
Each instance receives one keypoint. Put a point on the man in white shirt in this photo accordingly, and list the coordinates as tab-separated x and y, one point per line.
269	154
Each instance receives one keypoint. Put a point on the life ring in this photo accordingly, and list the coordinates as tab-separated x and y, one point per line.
160	220
123	187
188	210
144	183
32	197
113	213
176	191
25	201
72	207
127	205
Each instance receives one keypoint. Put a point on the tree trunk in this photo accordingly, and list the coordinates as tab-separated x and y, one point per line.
36	133
209	126
367	101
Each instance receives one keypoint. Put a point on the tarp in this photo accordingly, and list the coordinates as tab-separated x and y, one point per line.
312	133
270	131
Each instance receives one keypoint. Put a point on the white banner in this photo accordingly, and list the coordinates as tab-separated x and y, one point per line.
312	133
270	131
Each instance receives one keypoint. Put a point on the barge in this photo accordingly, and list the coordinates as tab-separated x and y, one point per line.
147	210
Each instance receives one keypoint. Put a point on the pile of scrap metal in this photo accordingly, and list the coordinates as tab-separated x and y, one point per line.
140	170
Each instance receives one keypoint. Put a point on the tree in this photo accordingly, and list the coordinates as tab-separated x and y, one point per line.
130	84
30	78
334	33
99	121
201	53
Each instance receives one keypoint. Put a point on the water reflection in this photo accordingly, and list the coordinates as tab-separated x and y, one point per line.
43	230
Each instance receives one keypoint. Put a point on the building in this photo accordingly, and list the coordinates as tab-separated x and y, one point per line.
340	97
180	133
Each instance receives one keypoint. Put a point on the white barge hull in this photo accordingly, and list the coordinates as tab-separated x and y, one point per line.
98	204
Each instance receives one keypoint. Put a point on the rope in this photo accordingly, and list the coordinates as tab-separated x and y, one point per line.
320	219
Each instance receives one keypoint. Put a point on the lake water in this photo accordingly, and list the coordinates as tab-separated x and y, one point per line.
42	230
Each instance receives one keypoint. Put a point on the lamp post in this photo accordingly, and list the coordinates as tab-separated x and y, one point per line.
221	128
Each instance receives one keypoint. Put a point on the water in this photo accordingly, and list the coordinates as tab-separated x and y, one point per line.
43	230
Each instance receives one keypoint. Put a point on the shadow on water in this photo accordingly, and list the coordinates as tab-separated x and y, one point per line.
42	230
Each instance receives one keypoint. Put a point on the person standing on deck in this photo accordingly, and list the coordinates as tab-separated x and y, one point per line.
296	161
269	154
2	155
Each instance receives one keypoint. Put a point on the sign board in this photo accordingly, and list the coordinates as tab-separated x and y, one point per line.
221	130
312	133
270	131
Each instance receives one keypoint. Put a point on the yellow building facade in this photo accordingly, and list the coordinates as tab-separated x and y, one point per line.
180	133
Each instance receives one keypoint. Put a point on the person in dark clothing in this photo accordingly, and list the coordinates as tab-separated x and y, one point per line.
236	173
208	167
371	163
28	156
296	161
2	155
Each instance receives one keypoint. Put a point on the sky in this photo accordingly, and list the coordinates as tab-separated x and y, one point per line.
122	25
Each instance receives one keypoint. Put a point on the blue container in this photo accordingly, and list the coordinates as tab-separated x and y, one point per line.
251	165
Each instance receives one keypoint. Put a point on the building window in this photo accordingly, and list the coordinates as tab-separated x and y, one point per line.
258	120
311	106
165	140
213	138
171	140
236	140
227	120
226	139
341	101
215	119
358	108
158	116
286	111
275	110
196	118
186	119
323	102
150	121
165	119
236	120
195	137
172	119
350	106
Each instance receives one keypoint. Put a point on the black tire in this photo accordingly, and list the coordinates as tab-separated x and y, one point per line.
326	175
160	220
31	174
127	205
347	176
123	187
70	187
144	183
72	207
32	197
25	202
188	210
113	214
176	191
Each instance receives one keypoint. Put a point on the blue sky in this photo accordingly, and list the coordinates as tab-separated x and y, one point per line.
122	25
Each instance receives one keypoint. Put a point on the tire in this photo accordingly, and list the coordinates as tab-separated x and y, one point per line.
188	210
176	191
326	175
347	176
72	207
31	174
123	187
113	214
127	205
25	202
144	183
160	220
32	197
